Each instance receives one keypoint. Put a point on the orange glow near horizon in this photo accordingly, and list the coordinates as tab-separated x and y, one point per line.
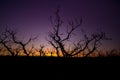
48	53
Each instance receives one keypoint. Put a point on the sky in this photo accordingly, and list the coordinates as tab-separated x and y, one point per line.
31	17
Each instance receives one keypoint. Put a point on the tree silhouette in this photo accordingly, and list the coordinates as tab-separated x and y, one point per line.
6	41
85	47
9	38
88	46
110	53
40	50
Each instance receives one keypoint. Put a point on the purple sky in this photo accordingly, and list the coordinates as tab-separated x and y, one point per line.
30	17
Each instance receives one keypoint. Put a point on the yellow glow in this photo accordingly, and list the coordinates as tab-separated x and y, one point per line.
49	53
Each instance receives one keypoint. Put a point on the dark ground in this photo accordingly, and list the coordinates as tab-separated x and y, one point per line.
59	61
52	68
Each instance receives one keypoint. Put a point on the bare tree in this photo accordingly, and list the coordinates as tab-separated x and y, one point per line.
9	38
89	44
57	41
6	41
110	53
40	50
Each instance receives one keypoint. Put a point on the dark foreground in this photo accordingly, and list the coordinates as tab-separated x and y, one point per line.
60	68
47	68
55	60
